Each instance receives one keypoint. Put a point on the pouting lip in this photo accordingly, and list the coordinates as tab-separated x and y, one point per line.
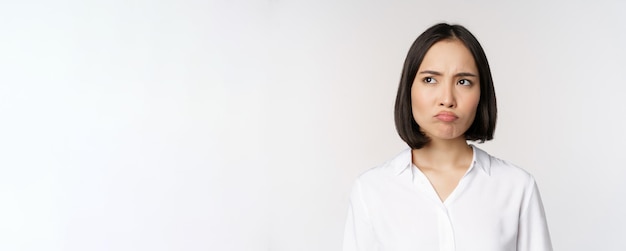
447	114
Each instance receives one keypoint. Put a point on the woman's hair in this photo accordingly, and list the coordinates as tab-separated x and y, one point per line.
484	123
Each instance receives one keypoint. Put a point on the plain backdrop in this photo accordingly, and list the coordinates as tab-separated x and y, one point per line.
241	125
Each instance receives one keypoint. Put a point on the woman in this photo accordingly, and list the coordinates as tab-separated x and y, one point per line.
443	194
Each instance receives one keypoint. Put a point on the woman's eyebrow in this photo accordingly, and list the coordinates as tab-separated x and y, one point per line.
431	72
465	74
460	74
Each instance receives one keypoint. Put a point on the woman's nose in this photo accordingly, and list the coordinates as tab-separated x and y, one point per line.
447	98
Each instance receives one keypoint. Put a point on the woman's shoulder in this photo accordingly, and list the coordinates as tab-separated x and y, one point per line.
390	168
500	168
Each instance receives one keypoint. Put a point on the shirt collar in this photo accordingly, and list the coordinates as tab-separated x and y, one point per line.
482	159
403	160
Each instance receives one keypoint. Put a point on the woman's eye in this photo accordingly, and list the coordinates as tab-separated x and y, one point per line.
464	82
429	80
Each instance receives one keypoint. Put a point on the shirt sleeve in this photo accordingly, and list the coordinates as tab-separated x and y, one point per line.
358	234
533	232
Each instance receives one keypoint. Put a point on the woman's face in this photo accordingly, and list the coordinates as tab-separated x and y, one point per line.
446	91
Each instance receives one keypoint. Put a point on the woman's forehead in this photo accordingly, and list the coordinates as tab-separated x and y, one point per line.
449	56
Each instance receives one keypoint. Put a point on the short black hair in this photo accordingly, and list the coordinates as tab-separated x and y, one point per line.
484	123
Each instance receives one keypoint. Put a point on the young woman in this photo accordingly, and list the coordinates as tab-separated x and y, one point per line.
443	194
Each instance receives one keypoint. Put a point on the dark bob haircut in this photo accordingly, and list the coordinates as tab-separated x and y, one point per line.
484	123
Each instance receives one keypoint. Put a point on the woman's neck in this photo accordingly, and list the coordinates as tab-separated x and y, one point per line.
443	154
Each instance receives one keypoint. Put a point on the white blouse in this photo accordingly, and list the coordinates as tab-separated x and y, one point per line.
496	206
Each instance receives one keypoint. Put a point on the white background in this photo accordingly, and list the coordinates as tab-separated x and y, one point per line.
240	125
